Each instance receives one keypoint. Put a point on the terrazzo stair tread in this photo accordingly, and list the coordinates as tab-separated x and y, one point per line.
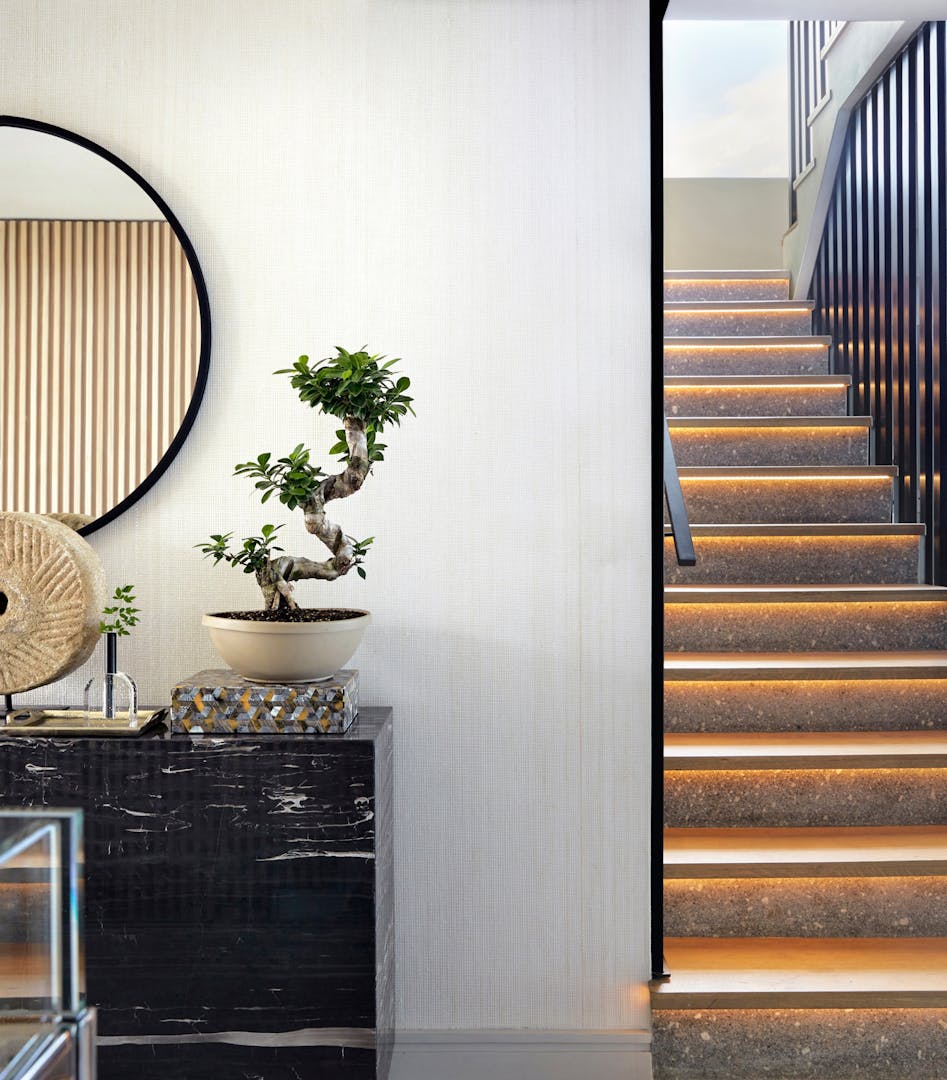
818	473
816	529
672	306
763	667
803	973
800	1044
725	287
709	317
833	905
770	440
763	703
756	395
731	382
782	355
747	341
804	618
724	275
769	422
802	494
790	553
884	851
803	594
805	750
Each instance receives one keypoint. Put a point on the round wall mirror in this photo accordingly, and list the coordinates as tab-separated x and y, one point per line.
104	328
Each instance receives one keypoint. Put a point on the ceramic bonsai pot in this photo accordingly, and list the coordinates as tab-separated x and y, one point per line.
311	648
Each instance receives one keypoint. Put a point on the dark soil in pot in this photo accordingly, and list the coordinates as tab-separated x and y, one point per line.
297	615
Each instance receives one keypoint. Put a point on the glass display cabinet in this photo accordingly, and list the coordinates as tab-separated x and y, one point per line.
46	1030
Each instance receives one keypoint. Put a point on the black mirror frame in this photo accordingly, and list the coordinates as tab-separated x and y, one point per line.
203	302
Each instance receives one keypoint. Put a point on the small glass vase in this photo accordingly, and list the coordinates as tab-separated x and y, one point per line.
105	693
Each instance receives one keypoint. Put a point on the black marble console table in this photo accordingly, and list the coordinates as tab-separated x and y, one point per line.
239	907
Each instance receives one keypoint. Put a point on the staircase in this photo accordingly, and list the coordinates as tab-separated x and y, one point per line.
805	706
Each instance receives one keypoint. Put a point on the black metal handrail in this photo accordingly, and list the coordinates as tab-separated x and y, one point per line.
677	511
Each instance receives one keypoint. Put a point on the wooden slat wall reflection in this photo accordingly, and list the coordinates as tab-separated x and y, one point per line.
880	282
99	350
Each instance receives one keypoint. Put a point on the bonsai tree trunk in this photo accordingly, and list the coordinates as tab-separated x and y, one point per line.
276	578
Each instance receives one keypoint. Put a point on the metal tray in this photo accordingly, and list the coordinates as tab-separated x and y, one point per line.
41	722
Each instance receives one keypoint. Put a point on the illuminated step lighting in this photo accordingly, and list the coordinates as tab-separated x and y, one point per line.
683	344
805	852
778	531
724	280
690	383
670	310
703	671
883	480
780	973
882	751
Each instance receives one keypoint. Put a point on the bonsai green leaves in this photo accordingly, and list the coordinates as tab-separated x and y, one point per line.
367	394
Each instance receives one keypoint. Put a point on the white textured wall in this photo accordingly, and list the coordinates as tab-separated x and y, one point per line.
463	184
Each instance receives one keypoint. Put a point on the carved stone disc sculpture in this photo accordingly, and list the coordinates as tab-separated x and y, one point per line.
52	591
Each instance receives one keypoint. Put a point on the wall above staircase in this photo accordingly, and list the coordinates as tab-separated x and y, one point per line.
731	223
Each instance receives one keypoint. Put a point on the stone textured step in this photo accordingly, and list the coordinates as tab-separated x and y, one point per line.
918	851
799	554
785	440
784	355
796	797
806	750
759	395
789	494
803	973
798	619
806	882
738	317
834	699
792	1044
810	907
691	285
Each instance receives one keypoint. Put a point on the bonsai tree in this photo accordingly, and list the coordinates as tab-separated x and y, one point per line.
365	393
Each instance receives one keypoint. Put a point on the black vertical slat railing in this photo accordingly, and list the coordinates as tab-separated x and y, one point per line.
807	87
880	280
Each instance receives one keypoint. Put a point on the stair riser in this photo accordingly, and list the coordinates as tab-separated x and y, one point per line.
770	446
734	323
771	502
785	705
746	360
791	1044
713	291
867	627
804	797
806	907
806	560
755	401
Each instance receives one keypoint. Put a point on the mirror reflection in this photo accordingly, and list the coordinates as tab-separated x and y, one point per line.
100	331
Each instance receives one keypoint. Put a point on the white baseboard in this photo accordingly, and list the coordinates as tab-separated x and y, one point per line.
522	1055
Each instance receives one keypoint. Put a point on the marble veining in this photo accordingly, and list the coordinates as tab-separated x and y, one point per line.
239	910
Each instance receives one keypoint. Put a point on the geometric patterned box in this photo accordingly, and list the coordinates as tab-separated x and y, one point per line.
220	702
